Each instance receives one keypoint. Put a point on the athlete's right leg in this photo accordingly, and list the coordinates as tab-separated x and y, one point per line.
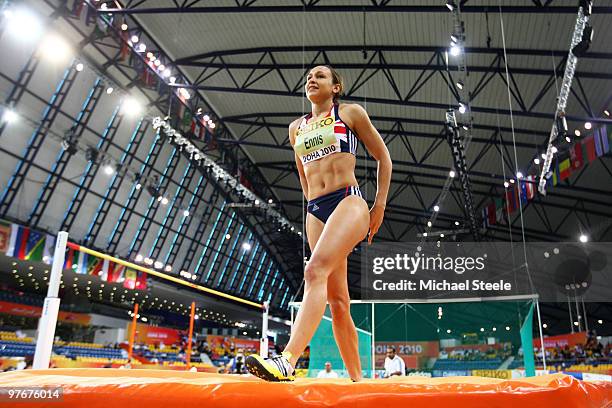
343	327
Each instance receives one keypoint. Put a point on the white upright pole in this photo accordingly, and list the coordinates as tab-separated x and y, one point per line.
263	342
48	319
373	344
541	335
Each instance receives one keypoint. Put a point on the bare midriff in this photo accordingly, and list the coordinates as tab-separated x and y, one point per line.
329	174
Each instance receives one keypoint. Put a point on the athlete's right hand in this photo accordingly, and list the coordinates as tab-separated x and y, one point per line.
377	213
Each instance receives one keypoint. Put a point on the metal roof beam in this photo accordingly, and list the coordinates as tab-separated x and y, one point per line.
396	102
392	48
390	66
134	8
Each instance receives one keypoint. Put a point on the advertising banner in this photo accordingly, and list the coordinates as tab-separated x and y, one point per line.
502	374
219	344
451	373
562	340
154	335
17	309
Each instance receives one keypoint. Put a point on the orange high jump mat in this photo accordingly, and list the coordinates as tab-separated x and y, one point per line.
110	388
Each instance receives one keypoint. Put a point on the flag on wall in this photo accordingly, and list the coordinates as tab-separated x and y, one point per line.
103	274
49	249
141	281
69	259
35	246
130	279
94	266
19	240
116	273
81	266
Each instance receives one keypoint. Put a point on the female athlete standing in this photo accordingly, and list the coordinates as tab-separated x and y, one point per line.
325	145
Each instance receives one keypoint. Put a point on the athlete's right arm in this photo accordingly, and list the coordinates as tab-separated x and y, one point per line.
292	132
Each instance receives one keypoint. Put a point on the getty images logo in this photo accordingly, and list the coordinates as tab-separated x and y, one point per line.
411	264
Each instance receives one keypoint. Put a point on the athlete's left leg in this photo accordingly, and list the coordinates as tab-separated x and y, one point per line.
343	326
344	229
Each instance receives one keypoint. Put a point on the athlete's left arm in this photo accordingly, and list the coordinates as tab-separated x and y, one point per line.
367	133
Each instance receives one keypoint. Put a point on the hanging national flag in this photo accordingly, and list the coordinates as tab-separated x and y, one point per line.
148	74
12	240
81	266
576	156
531	187
130	279
605	139
106	264
77	8
485	218
555	172
197	128
5	236
499	210
90	15
490	214
187	118
210	139
35	246
49	249
523	191
21	242
601	142
116	274
589	146
180	111
100	28
95	266
124	51
141	281
565	169
511	200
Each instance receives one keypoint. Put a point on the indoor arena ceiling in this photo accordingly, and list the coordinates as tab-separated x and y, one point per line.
247	61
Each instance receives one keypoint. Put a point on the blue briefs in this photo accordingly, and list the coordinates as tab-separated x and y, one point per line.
322	207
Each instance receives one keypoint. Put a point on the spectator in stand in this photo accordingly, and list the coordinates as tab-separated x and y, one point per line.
394	364
236	363
127	365
327	372
29	360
